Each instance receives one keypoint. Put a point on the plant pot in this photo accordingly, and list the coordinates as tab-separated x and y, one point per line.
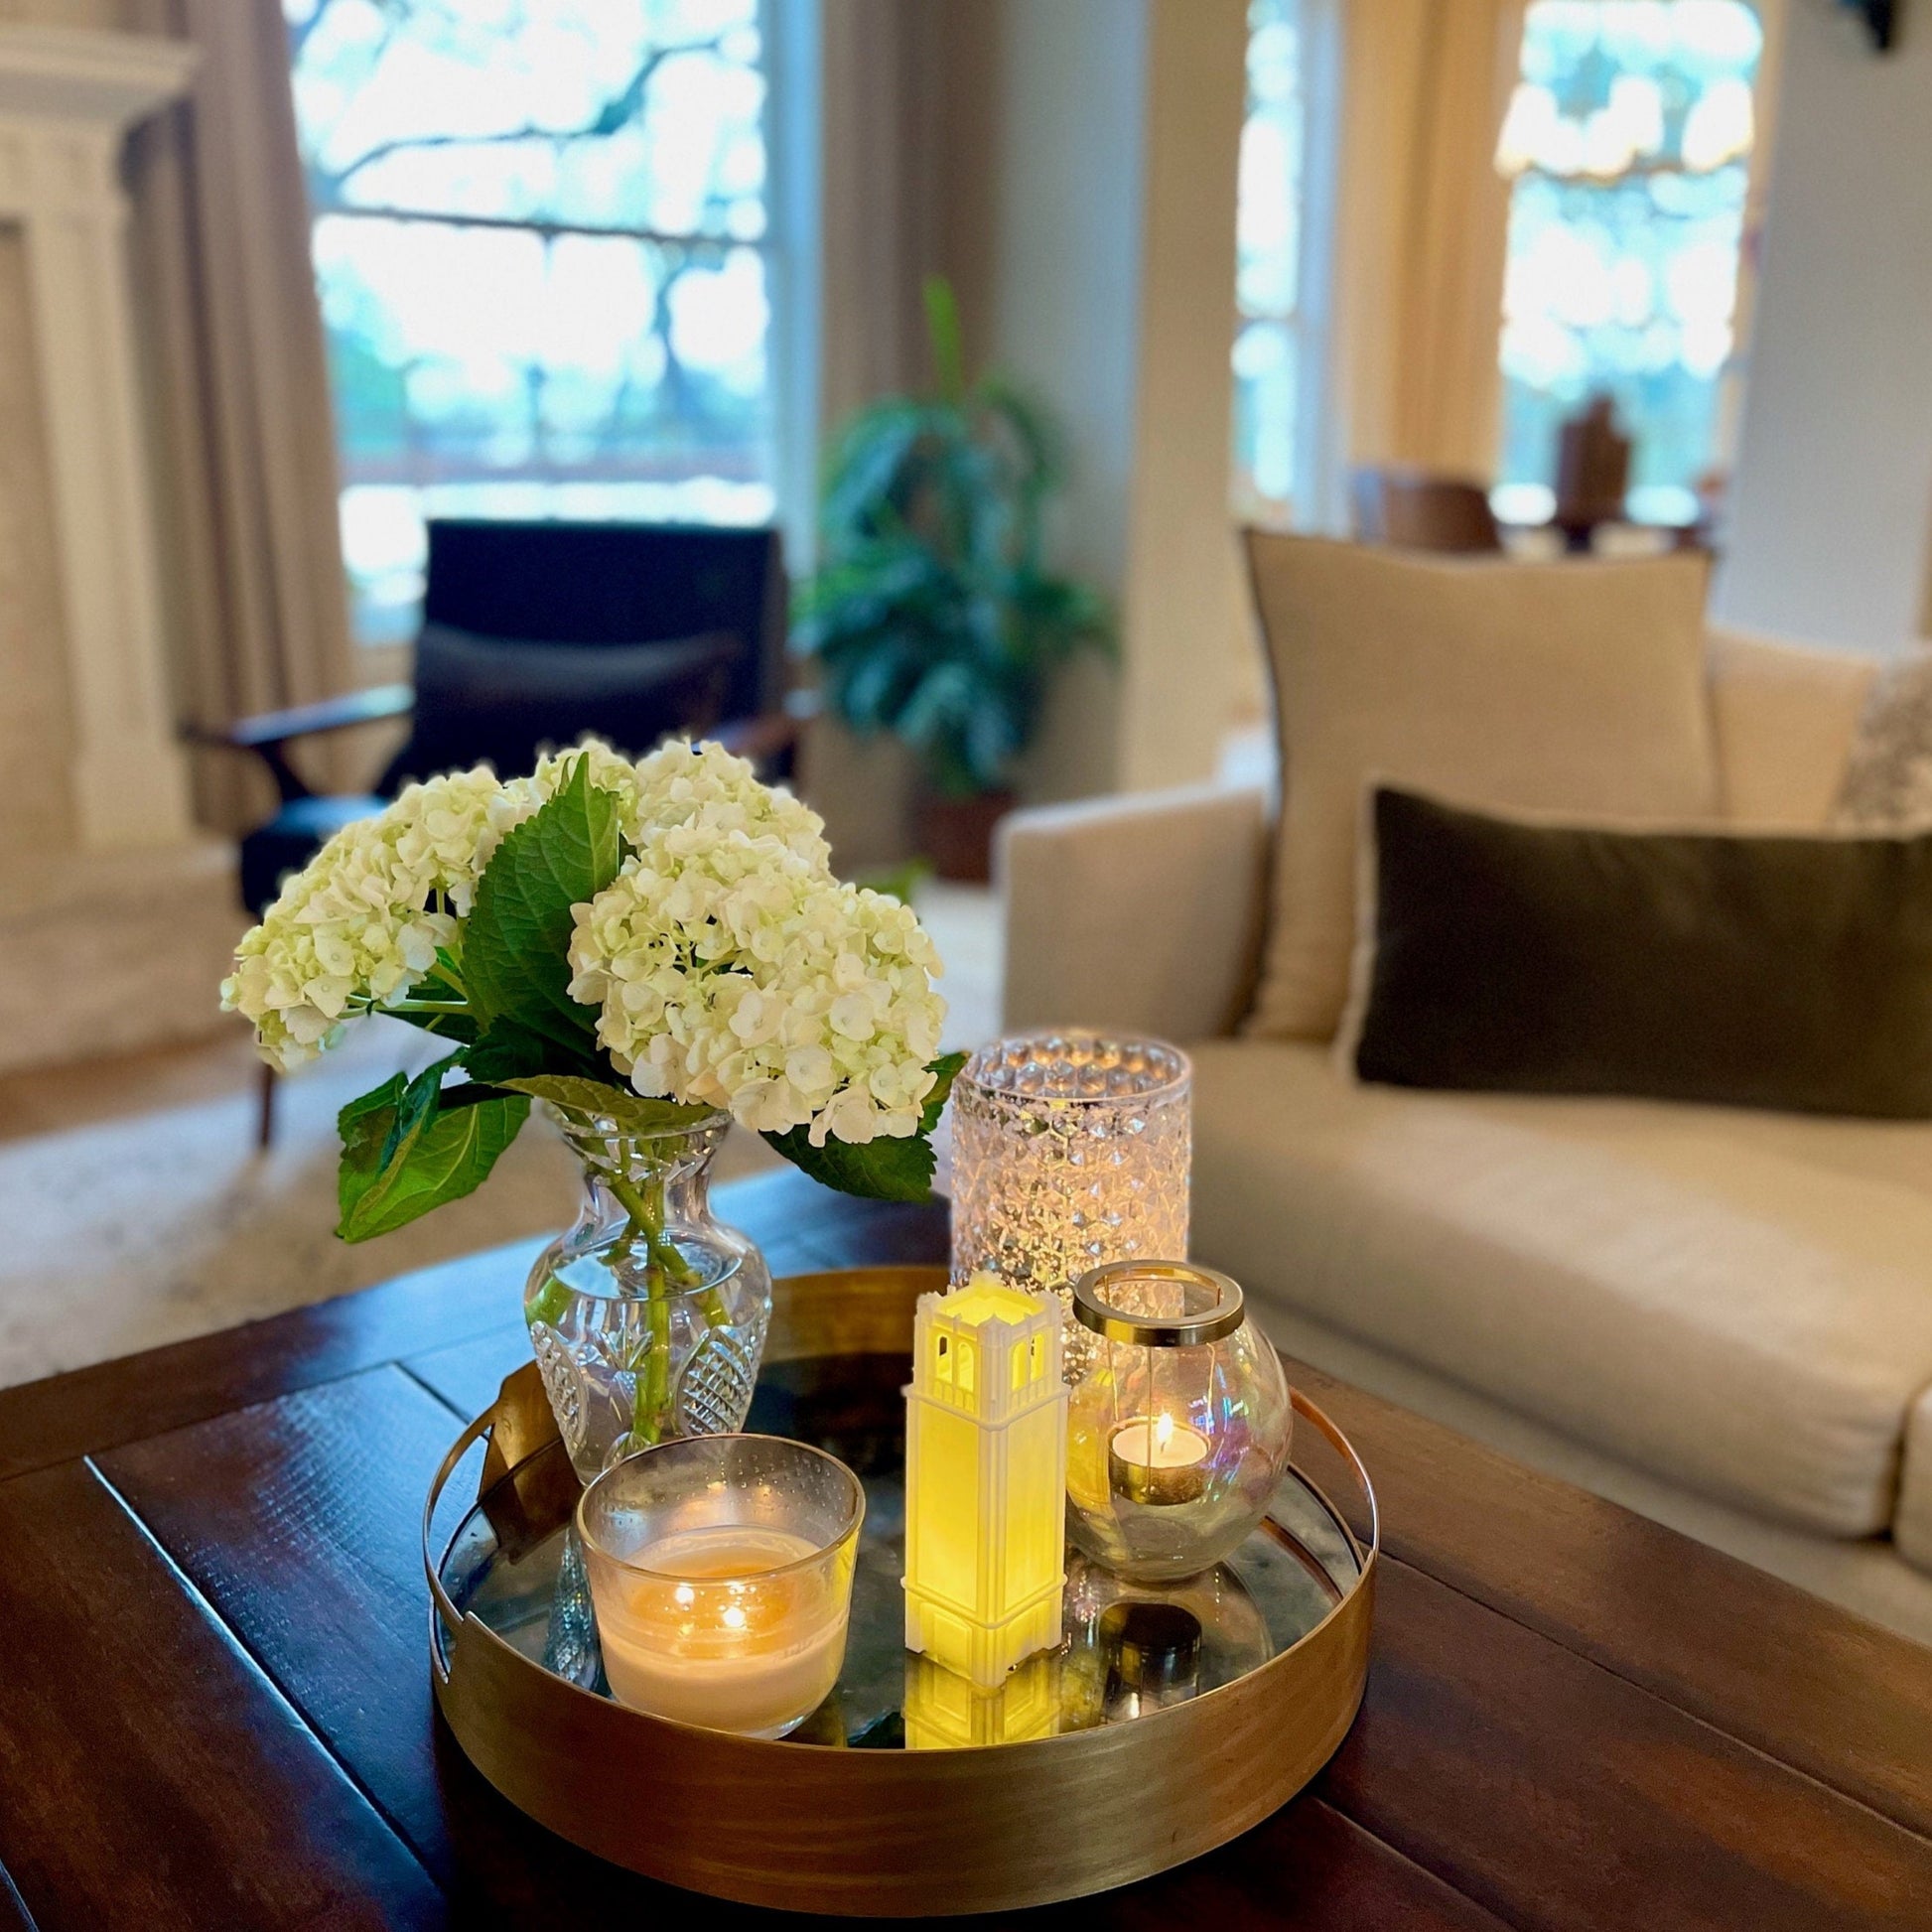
956	834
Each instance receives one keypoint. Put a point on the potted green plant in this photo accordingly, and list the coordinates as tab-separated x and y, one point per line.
932	611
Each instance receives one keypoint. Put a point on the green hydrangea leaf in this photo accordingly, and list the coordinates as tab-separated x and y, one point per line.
881	1169
946	1069
634	1113
505	1052
411	1145
515	946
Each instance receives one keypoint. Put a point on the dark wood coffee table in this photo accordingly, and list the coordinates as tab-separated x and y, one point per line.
215	1713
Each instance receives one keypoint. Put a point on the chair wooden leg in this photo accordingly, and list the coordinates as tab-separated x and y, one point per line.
265	1118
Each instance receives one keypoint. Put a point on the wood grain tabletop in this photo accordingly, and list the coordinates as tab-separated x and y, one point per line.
215	1709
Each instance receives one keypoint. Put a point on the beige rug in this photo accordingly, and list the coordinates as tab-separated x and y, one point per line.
150	1227
146	1229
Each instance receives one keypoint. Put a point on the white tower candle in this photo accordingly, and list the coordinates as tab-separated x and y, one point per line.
985	1479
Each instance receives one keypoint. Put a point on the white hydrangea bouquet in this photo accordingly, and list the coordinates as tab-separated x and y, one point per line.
646	944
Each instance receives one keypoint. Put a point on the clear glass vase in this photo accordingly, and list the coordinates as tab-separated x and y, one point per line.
648	1316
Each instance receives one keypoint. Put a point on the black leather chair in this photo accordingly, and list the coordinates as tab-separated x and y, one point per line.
534	634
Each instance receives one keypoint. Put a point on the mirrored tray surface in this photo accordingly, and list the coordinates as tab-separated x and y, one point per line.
512	1563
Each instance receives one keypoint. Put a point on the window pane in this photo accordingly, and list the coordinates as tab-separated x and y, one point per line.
1630	135
516	357
1268	236
606	376
606	113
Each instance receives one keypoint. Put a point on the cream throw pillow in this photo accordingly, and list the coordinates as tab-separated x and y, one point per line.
1573	687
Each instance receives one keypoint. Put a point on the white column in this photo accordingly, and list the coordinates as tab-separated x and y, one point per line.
68	99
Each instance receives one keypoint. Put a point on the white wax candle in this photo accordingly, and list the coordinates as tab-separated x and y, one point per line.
1156	1460
735	1648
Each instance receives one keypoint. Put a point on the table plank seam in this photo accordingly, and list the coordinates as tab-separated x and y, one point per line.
9	1897
15	1466
226	1632
429	1389
1578	1645
1321	1800
1822	1786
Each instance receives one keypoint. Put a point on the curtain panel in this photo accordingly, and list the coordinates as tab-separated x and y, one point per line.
245	437
1422	230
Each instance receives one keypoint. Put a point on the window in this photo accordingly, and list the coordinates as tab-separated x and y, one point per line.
543	244
1269	352
1629	138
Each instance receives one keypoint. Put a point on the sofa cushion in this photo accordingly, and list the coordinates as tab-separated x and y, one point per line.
1738	1303
1785	717
1574	687
1738	969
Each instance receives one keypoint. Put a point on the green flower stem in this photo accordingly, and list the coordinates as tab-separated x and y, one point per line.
645	1206
666	1273
653	1384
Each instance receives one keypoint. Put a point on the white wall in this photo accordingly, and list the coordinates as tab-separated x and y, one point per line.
1833	498
1089	196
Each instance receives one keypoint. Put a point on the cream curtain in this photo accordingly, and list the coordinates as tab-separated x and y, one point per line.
880	236
879	215
1421	230
247	452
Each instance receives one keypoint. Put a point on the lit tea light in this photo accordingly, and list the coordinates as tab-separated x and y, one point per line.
751	1643
1157	1461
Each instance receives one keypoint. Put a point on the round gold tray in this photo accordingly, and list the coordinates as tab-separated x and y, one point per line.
906	1794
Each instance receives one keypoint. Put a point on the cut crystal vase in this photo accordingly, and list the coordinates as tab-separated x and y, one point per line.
1069	1150
649	1315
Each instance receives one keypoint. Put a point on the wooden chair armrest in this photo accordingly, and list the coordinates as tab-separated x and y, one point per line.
335	714
772	738
268	731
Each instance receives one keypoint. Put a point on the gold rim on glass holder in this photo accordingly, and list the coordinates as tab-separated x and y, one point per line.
1092	1308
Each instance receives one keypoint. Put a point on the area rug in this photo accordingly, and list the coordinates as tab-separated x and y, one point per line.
155	1226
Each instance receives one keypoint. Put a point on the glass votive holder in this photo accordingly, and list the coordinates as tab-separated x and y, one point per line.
721	1571
1069	1150
1177	1424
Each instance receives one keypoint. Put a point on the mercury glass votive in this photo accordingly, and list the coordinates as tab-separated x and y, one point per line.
720	1572
1069	1150
1177	1424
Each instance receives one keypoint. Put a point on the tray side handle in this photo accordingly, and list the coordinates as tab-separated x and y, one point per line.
440	1606
1344	1448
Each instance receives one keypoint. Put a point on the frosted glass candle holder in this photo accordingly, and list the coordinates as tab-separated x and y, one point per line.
721	1571
1069	1150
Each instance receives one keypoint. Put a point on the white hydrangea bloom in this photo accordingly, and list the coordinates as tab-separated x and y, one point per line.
683	785
362	921
730	968
731	971
610	772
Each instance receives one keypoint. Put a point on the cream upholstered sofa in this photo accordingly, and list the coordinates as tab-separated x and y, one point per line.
1720	1318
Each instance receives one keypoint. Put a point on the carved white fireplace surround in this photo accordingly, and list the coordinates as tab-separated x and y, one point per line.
117	945
68	99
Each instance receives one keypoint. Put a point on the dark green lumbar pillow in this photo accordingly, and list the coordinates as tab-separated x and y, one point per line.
1730	968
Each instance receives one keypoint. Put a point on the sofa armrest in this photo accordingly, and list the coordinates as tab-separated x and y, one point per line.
1141	913
1911	1523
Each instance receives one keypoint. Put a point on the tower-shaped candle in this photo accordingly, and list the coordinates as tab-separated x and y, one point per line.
985	1479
